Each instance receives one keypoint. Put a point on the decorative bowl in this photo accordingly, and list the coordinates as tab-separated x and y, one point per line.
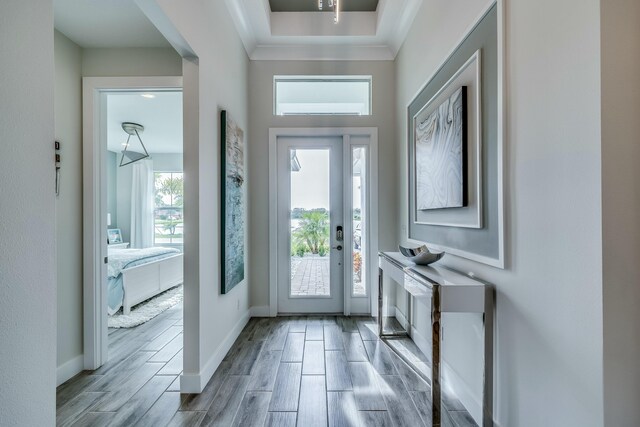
420	255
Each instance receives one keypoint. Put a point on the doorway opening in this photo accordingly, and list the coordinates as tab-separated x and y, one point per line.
133	221
323	220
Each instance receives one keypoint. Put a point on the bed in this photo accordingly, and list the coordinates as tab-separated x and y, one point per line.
135	275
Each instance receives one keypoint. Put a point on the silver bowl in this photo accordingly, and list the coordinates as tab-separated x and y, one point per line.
420	255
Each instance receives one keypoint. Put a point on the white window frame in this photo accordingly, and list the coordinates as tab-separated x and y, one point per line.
315	79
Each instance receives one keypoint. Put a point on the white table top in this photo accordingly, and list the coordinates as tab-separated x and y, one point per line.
459	293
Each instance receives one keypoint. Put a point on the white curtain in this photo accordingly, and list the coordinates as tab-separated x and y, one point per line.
142	199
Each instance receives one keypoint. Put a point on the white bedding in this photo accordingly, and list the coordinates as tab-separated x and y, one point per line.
119	259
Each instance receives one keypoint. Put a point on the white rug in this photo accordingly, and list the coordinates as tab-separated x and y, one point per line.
147	310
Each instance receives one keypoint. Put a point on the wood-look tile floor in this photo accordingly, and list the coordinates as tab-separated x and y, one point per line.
286	371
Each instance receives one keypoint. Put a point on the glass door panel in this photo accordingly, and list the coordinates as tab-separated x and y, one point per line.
310	224
359	241
309	215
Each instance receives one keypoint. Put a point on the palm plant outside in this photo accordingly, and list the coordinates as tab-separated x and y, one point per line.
313	233
169	194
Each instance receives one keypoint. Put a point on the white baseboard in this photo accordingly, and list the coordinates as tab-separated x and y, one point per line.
69	369
260	311
195	383
450	377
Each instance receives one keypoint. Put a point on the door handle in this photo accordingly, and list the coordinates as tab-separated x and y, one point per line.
339	247
339	233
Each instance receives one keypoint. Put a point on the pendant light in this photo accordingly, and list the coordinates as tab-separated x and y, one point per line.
132	156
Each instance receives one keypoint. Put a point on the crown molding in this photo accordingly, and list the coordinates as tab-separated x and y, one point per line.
360	36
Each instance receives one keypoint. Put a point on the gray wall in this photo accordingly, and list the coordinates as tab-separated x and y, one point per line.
620	38
548	343
261	112
72	63
112	187
27	247
68	95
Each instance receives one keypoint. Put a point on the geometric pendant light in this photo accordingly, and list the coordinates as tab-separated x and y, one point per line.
132	155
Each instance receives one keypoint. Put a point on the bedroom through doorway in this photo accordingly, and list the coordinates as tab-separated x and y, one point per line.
134	222
145	227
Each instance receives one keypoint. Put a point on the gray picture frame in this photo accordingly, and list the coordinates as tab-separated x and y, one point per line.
484	244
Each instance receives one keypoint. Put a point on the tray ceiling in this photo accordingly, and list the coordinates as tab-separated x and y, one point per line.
312	5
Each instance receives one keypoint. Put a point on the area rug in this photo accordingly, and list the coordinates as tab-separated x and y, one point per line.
147	310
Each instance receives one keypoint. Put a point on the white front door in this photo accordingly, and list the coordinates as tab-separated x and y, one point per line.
310	239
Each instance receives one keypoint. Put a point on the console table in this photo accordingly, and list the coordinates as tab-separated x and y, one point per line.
444	290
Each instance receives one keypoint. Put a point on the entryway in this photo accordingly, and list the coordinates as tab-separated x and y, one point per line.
323	220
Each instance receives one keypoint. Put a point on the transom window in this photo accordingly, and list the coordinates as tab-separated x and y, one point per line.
322	95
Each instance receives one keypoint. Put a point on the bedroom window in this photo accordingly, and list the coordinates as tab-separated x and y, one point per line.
168	221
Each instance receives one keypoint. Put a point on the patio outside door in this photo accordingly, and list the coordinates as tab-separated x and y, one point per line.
311	243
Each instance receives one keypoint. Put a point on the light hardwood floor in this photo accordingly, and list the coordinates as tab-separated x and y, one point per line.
286	371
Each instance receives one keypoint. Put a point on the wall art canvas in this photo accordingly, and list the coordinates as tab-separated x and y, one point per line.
440	153
233	203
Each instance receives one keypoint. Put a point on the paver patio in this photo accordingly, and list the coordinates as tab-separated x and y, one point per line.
310	276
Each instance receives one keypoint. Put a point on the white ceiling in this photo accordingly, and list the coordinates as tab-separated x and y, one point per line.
106	23
161	117
270	35
266	35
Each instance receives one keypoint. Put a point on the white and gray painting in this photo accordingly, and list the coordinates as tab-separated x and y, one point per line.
439	155
234	207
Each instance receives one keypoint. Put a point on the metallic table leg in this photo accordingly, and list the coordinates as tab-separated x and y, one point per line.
381	332
380	290
435	358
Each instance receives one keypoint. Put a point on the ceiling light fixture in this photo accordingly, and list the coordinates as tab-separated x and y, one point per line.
335	4
132	156
148	95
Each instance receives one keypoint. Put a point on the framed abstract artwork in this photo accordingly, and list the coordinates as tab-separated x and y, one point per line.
233	203
441	153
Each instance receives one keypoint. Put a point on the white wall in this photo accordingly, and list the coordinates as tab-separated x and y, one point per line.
262	118
68	125
216	80
548	343
620	46
27	247
118	62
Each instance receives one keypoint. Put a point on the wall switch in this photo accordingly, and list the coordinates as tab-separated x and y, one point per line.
237	304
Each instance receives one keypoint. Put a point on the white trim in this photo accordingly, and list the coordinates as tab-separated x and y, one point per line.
347	201
69	369
195	383
274	133
95	204
502	123
260	311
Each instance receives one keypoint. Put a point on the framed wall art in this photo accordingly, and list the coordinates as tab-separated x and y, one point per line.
455	182
233	202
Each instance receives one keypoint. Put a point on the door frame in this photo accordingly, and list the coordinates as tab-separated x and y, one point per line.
94	204
372	257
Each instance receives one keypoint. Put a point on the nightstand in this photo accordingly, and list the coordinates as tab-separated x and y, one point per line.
123	245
